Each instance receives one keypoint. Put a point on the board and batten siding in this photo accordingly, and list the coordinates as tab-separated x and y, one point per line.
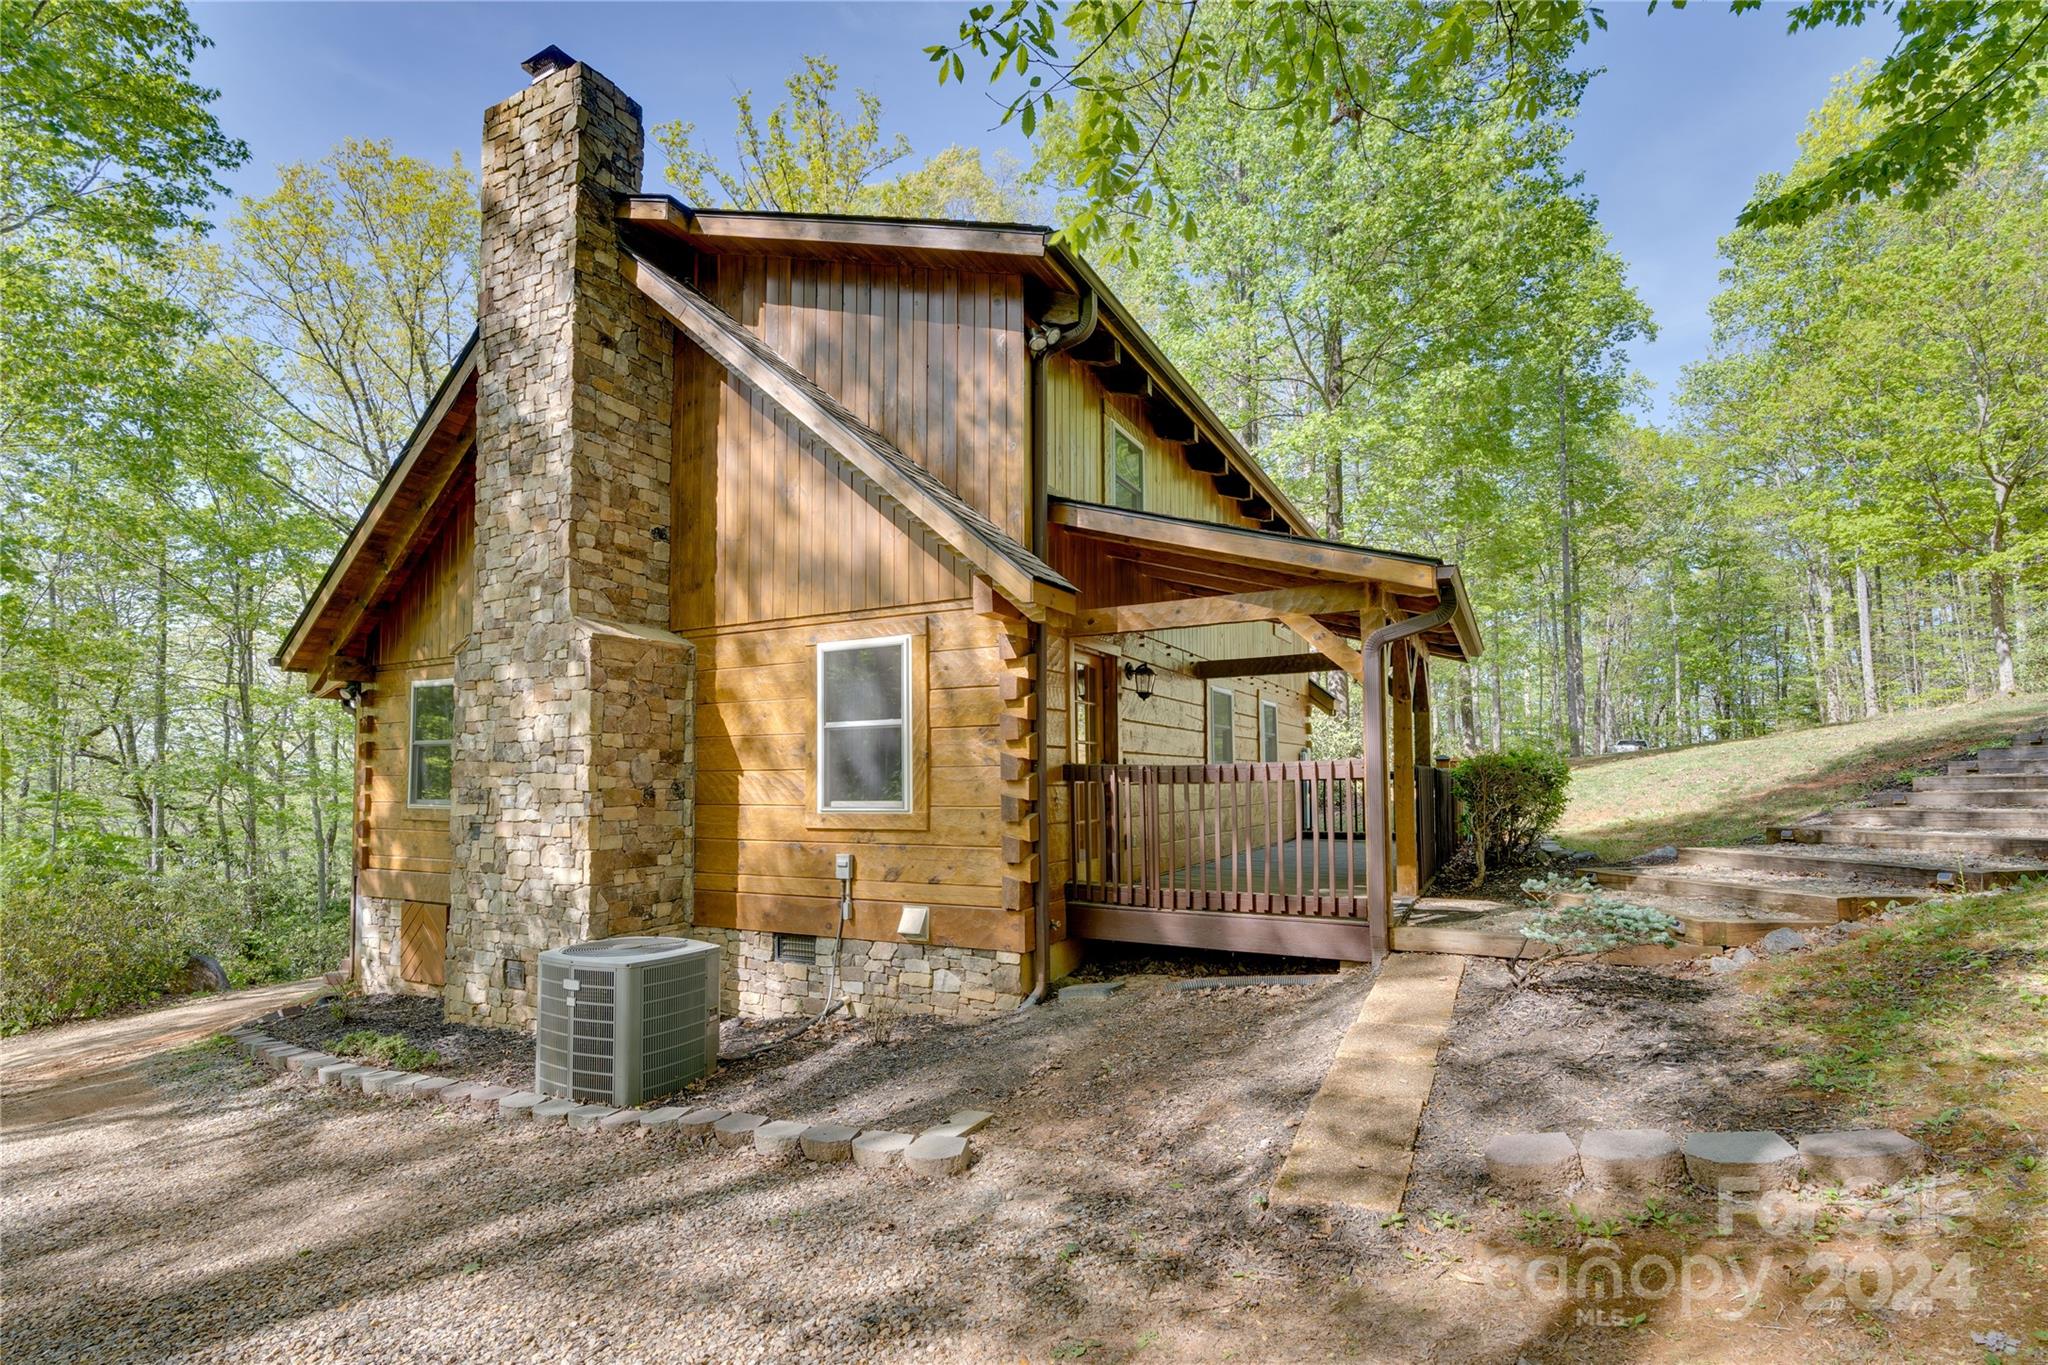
403	850
771	526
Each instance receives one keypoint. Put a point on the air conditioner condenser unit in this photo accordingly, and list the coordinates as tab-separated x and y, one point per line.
625	1019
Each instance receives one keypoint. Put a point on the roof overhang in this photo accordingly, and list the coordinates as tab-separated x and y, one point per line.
1160	558
379	543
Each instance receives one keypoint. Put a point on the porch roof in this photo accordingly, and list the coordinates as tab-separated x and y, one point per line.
1136	567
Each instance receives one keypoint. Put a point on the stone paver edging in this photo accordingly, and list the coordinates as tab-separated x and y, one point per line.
1643	1160
939	1150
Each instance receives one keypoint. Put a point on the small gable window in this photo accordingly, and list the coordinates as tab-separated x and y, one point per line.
864	725
430	743
1124	475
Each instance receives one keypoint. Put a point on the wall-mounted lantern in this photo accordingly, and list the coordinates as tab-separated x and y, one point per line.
351	695
1140	676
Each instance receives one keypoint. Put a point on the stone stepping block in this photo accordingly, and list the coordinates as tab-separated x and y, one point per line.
1532	1163
517	1104
828	1142
392	1086
375	1076
555	1111
1861	1158
342	1073
277	1054
737	1130
779	1138
660	1122
429	1088
961	1123
488	1097
459	1092
1748	1162
1631	1160
585	1118
879	1147
306	1063
935	1154
698	1123
252	1042
628	1119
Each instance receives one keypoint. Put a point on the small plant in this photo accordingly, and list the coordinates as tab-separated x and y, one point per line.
1580	919
386	1049
1510	799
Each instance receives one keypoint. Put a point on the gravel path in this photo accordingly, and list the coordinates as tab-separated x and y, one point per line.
1116	1208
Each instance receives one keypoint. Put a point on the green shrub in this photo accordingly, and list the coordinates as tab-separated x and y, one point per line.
1581	919
88	940
394	1050
1510	800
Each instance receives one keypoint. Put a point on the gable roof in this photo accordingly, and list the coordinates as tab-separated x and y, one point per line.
377	546
1021	576
1029	249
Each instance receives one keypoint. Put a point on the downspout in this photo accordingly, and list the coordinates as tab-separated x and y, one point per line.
1044	341
1379	876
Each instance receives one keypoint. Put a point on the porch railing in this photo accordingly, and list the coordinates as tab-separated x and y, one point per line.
1274	838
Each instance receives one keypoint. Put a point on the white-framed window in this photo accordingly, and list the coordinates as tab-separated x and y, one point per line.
1123	467
1222	725
430	743
1269	732
864	724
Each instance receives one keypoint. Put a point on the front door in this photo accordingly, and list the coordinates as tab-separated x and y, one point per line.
1094	741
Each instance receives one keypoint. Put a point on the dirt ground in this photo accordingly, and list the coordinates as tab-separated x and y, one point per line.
1115	1210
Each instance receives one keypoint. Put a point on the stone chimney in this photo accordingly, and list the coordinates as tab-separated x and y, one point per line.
572	811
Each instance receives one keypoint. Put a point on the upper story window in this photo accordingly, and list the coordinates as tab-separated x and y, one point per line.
1222	725
1269	732
1123	473
430	743
864	724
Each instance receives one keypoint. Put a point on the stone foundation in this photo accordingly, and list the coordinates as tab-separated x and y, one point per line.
377	946
874	978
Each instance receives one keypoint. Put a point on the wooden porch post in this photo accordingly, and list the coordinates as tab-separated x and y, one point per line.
1378	868
1401	693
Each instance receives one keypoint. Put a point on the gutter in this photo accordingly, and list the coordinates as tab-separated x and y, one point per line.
1379	877
1043	342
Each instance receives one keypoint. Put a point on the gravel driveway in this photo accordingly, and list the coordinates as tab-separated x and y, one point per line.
1115	1210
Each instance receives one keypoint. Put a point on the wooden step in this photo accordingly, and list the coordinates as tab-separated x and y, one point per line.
1982	798
1964	782
1821	901
1716	924
1957	841
1816	860
1962	817
2035	764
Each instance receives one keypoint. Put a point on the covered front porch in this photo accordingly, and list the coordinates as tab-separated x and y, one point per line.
1305	856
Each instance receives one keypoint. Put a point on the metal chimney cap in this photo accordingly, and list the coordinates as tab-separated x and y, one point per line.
546	62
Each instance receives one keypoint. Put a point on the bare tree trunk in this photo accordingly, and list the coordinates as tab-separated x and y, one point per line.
1568	588
2001	634
1864	645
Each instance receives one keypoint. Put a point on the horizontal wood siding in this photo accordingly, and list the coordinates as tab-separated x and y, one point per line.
770	526
763	860
416	638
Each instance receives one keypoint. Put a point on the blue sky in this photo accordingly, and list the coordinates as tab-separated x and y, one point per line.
1692	106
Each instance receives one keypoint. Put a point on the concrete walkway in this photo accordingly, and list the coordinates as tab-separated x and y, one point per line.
75	1069
1358	1140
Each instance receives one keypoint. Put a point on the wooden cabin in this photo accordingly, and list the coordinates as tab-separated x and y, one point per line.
870	597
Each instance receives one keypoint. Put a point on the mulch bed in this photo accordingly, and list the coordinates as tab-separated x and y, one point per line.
498	1056
1591	1047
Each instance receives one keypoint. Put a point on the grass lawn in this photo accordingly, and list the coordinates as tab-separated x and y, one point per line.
1726	793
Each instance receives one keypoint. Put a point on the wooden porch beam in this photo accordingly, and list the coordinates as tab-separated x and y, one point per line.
1223	609
1262	666
1327	642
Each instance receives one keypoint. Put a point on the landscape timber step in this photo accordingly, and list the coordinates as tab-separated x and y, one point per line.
1824	901
1716	924
1958	841
1999	765
1966	782
1985	798
1958	817
1841	862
